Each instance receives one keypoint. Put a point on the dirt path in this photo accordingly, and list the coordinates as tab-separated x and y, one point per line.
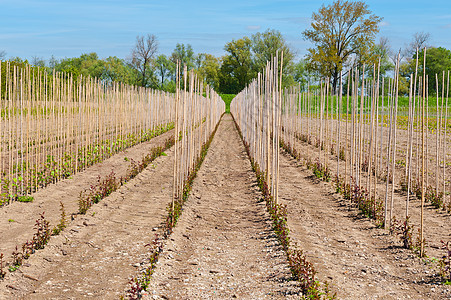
362	261
17	219
223	246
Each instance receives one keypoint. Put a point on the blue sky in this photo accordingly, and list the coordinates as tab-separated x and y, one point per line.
70	28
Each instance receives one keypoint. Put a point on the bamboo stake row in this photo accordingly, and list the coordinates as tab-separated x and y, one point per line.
196	117
54	125
375	145
257	111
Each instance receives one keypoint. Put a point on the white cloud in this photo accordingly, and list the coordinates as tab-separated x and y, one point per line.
253	27
383	24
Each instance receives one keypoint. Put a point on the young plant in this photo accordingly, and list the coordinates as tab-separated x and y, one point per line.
42	234
435	199
63	223
17	257
404	230
135	289
25	199
445	262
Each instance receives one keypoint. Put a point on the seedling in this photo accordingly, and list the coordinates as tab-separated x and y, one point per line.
404	230
25	199
42	235
62	224
445	263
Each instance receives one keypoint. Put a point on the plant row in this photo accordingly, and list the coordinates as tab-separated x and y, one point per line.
373	208
28	178
98	191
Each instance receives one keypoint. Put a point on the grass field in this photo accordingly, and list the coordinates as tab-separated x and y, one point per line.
227	99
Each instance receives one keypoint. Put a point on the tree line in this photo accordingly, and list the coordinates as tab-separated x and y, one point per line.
145	66
342	35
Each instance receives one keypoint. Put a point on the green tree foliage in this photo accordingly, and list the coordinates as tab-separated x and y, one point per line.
265	46
118	70
86	65
38	61
300	74
341	32
247	56
185	55
15	61
237	68
208	67
164	69
109	69
437	60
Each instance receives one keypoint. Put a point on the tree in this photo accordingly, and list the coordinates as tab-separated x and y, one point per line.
300	74
208	67
185	55
340	31
142	54
2	54
37	61
118	70
164	68
437	61
265	46
86	65
419	41
52	62
237	67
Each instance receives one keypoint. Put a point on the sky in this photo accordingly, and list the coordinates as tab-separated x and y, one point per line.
33	28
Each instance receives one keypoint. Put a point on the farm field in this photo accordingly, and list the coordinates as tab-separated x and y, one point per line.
253	175
223	245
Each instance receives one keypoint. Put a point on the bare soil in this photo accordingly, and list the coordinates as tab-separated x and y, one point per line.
223	245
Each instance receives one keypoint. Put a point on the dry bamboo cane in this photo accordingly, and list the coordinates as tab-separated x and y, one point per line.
437	136
352	150
411	129
2	116
391	105
375	144
427	132
442	142
361	134
370	152
176	138
422	156
445	144
339	100
276	196
394	137
419	114
347	146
